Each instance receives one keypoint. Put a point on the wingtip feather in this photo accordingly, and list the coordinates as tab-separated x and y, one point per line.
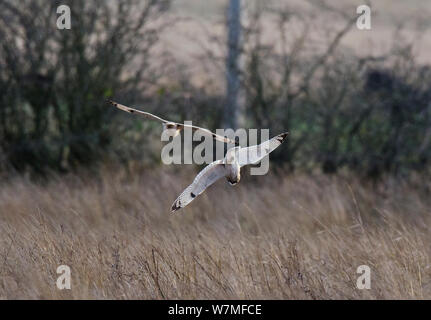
111	102
175	206
282	136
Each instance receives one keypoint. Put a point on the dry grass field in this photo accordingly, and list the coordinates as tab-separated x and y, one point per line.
276	236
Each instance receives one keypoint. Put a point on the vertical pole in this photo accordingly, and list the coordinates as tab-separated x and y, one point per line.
232	70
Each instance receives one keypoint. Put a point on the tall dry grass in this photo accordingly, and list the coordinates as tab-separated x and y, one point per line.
276	236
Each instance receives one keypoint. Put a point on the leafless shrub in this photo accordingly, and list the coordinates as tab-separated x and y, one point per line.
54	82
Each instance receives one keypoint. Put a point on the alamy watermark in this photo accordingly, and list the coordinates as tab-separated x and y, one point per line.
364	280
64	21
64	280
179	148
364	20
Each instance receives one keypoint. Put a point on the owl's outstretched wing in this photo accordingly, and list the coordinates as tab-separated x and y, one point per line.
253	154
210	174
170	124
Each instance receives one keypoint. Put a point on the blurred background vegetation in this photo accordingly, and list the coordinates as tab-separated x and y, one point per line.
367	111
